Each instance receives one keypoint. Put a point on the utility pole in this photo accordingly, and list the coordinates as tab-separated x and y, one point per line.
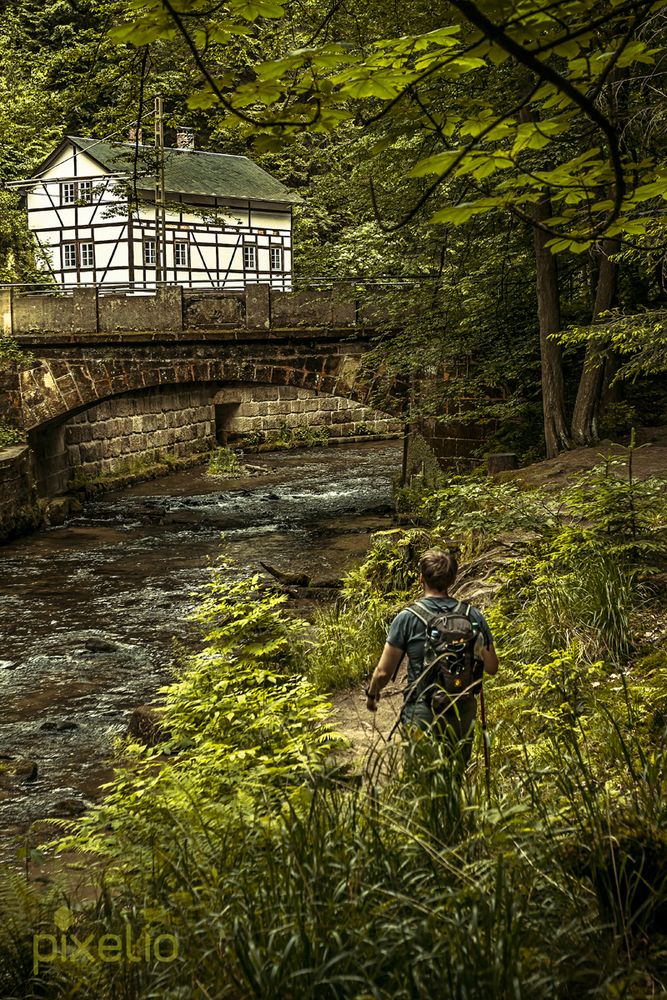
160	208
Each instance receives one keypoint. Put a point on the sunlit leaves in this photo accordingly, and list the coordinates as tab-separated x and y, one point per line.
417	82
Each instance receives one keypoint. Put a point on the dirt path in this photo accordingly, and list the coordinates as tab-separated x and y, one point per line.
350	715
365	729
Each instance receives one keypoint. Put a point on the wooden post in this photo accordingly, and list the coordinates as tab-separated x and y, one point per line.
407	433
160	220
501	462
7	311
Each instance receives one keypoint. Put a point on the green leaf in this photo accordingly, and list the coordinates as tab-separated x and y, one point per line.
437	164
252	9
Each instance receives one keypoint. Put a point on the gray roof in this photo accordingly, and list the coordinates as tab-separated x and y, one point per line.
191	171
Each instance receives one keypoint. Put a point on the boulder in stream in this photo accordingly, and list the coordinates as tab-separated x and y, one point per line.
17	771
100	645
68	807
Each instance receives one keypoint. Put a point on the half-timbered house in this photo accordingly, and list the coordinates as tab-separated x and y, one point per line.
223	222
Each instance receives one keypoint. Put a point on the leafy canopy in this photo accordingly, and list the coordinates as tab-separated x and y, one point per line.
547	116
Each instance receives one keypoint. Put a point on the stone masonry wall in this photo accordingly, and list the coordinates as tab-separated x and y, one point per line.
18	497
186	420
178	421
260	413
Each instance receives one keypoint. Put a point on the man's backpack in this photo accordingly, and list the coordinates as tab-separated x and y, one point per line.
452	656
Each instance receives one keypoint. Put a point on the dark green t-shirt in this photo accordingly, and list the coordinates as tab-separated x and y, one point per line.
408	634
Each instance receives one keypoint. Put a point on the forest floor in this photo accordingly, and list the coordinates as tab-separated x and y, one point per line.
649	459
350	715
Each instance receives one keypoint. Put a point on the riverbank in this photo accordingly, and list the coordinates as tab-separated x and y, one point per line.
89	608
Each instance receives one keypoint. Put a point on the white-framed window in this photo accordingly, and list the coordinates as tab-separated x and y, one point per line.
69	254
87	252
85	192
276	258
149	252
181	254
250	258
68	193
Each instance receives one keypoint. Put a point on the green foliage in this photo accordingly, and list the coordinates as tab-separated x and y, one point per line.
225	462
11	355
297	436
9	435
345	641
284	873
476	511
24	911
390	569
510	158
238	725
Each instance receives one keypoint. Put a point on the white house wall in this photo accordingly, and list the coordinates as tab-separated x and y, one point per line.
215	233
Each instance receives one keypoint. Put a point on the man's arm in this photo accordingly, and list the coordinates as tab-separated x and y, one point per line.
490	659
383	673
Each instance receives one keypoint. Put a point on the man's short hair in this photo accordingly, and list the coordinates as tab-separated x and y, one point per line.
439	569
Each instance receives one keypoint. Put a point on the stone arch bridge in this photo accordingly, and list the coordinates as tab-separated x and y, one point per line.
89	349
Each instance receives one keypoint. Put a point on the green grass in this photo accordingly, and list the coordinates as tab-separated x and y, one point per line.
285	872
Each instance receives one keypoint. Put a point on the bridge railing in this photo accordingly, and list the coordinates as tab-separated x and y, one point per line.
91	309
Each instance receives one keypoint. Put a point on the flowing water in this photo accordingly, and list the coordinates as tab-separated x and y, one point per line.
89	611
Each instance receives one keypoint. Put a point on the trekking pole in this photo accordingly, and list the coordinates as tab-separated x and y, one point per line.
485	739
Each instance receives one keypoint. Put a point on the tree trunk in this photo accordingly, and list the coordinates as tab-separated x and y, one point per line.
556	434
593	378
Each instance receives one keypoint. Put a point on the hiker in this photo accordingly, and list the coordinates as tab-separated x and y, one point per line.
428	705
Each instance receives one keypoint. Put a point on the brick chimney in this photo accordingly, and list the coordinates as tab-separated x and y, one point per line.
185	137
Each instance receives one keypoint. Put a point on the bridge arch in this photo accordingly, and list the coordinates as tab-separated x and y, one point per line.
53	391
121	420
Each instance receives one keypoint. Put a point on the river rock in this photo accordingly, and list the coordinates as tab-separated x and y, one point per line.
20	771
67	726
48	727
182	517
68	807
100	645
145	726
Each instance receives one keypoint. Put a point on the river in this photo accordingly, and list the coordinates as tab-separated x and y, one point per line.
89	611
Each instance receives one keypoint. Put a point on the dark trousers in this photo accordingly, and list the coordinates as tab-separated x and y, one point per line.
456	726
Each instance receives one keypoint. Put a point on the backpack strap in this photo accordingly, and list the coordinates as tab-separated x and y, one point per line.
413	609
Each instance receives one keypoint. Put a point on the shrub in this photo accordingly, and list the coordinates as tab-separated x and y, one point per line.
225	462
